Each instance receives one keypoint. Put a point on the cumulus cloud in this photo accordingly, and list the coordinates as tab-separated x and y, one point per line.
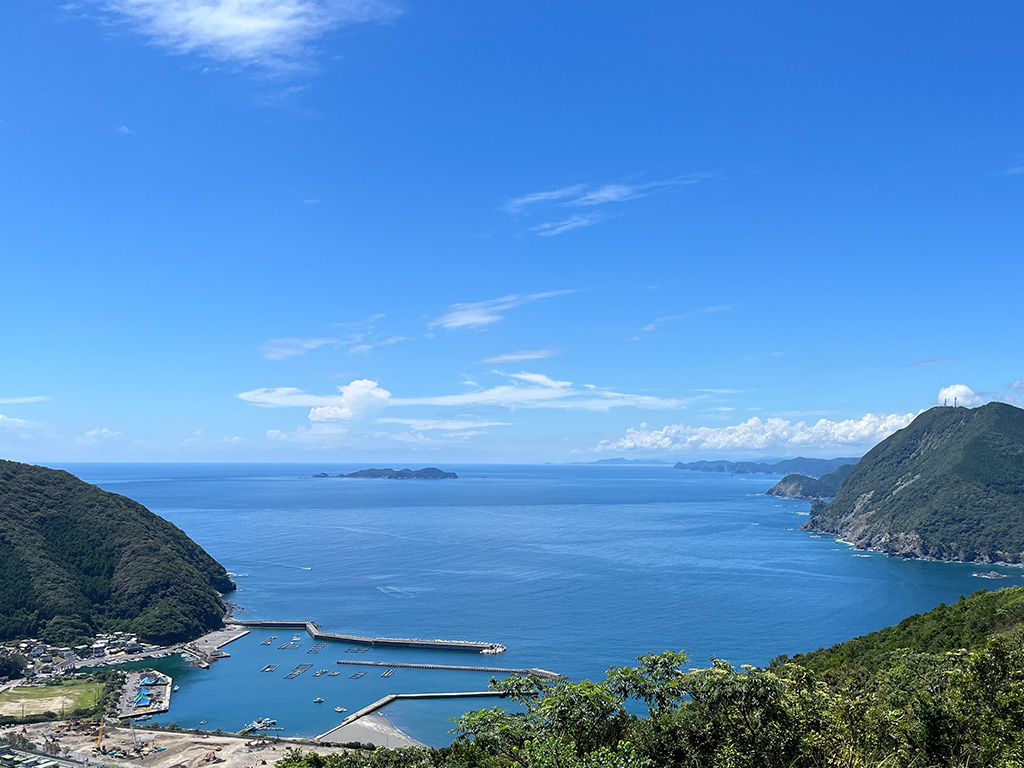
358	400
960	394
99	435
516	357
267	33
756	434
482	313
281	349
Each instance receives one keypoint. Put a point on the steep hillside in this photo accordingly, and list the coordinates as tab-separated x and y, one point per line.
803	487
75	559
950	486
969	623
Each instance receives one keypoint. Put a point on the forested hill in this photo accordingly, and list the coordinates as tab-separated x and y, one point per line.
75	559
969	623
810	488
950	486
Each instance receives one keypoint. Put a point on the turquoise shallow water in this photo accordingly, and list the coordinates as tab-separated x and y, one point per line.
573	568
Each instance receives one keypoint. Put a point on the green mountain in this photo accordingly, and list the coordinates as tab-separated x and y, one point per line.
950	486
75	559
810	488
969	623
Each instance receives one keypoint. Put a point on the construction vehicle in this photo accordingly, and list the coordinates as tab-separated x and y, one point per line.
99	734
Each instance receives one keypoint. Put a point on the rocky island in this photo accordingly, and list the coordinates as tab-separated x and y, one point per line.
427	473
950	486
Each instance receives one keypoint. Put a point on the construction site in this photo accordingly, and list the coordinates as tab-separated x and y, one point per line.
126	745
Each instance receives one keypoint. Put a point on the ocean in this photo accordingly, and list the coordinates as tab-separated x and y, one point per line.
575	568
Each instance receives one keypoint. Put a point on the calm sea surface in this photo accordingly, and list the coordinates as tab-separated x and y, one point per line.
574	568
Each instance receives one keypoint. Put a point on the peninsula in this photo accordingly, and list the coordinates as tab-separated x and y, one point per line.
950	486
797	486
810	467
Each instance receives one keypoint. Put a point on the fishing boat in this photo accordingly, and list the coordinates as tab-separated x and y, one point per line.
340	709
318	700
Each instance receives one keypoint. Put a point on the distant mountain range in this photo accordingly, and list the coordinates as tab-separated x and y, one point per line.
622	461
810	467
950	486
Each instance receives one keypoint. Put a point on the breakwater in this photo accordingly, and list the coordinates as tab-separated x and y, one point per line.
535	671
314	630
383	702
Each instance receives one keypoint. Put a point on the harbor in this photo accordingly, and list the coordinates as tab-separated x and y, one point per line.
314	631
534	671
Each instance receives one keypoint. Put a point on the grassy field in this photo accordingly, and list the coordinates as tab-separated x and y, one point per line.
71	695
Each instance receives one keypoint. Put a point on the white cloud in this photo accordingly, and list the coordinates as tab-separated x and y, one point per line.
528	390
960	394
311	201
481	313
705	311
124	130
365	348
358	400
518	203
280	349
20	400
10	422
268	33
552	228
516	357
539	379
100	435
444	424
756	434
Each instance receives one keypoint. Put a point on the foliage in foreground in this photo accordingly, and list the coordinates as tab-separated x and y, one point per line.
958	708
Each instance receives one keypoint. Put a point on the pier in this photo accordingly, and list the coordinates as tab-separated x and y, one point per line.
314	630
381	703
535	671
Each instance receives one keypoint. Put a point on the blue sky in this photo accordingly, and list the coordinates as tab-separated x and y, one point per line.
305	230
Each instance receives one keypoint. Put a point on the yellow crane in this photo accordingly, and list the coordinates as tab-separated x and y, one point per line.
99	737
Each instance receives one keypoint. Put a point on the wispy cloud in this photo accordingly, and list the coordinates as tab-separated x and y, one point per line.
456	425
364	347
936	361
124	130
552	228
515	357
1016	170
273	34
583	195
523	390
669	318
482	313
517	204
19	400
281	349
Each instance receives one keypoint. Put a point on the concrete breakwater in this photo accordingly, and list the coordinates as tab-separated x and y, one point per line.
381	703
314	630
535	671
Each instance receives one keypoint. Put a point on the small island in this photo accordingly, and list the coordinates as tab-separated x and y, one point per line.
427	473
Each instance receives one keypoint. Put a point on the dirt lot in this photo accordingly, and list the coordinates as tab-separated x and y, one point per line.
180	749
50	698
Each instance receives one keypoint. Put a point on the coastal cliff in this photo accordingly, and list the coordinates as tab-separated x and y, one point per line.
75	559
950	486
810	488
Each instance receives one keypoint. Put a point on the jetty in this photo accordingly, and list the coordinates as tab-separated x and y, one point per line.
381	703
534	671
314	631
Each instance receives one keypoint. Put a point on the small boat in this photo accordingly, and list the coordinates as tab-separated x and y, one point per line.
318	700
333	674
296	637
340	709
203	722
177	688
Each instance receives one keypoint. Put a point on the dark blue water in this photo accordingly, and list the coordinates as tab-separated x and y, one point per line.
573	568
